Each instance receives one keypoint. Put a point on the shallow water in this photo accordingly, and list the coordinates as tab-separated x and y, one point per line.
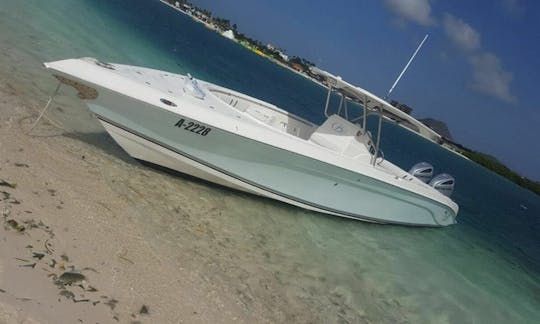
291	264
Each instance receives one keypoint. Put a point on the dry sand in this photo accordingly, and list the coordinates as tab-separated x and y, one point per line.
60	220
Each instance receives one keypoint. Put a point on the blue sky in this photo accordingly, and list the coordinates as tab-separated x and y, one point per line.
478	71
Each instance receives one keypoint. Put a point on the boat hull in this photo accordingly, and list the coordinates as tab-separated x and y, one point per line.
146	150
153	134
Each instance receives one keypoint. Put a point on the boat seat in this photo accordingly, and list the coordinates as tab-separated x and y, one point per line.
257	114
340	135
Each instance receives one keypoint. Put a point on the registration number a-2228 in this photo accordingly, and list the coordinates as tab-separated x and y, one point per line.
193	127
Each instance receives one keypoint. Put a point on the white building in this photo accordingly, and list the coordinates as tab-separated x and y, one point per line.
228	34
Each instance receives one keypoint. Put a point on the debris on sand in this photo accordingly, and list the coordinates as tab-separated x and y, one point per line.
5	194
30	223
85	300
15	225
47	246
144	310
37	255
5	212
90	288
68	278
90	269
66	293
22	260
111	303
31	265
4	183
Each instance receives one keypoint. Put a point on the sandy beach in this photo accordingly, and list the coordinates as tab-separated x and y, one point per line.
89	235
71	248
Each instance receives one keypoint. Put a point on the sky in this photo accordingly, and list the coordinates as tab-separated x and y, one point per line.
478	71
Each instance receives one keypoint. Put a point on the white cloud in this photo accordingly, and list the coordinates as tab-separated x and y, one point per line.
489	77
461	34
418	11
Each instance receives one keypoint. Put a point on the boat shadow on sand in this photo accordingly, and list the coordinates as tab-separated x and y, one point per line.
103	142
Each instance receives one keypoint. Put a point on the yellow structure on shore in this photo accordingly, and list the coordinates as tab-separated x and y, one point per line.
258	51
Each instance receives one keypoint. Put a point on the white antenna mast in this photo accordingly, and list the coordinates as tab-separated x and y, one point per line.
406	67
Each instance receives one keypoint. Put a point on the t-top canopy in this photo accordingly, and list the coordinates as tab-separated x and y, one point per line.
374	103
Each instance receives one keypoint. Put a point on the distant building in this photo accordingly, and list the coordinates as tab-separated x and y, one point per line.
297	67
403	107
277	51
258	51
201	16
228	34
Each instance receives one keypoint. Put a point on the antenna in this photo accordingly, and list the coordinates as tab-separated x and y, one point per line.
406	67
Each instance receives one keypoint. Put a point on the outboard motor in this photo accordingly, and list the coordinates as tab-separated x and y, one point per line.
423	171
444	183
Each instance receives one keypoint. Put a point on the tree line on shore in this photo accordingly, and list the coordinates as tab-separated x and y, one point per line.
298	63
496	166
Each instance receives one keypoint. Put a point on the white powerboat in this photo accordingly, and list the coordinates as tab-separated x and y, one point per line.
234	140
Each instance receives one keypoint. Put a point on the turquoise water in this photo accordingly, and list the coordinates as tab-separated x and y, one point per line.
293	264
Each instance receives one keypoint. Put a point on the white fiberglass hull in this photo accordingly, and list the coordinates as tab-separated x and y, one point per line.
244	164
222	155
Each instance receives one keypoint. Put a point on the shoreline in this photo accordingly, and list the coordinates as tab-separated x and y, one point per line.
211	27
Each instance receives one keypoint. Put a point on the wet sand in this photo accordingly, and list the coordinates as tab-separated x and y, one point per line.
60	219
147	246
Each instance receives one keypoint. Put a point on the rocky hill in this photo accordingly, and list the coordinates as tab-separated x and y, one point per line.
438	126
